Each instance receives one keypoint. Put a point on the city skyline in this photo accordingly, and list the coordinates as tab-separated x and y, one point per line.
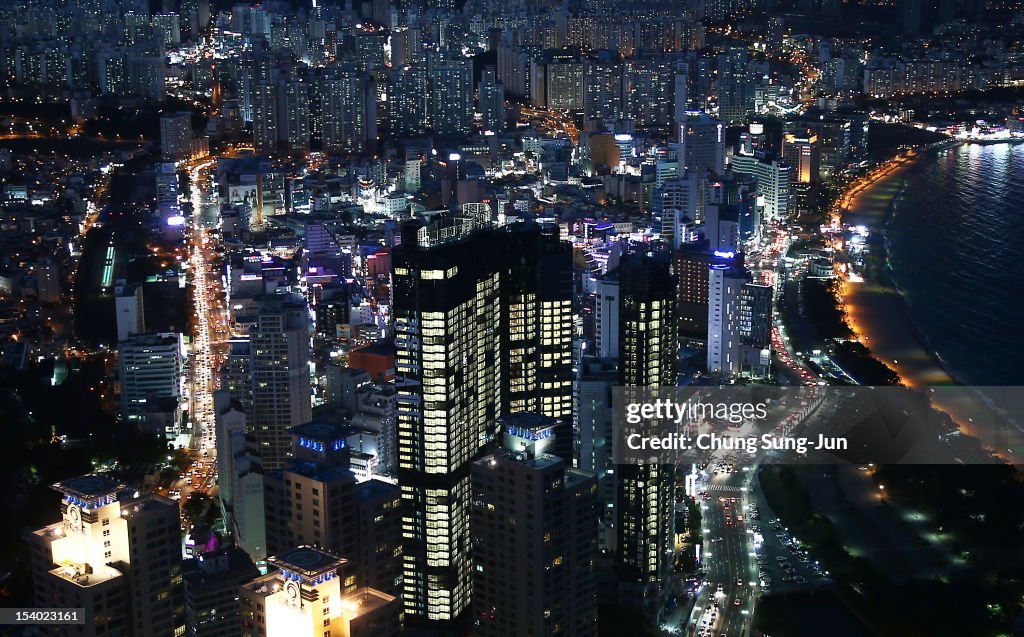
321	318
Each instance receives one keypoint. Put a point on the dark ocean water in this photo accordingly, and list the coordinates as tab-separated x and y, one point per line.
956	245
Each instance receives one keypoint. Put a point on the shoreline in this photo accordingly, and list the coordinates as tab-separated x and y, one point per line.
879	314
876	309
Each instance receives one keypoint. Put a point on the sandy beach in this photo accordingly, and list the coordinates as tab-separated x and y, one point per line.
877	313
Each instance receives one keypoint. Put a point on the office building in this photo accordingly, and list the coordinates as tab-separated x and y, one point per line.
304	597
240	477
592	413
130	314
702	143
774	179
691	270
211	582
534	522
606	315
739	323
151	370
117	557
315	499
802	152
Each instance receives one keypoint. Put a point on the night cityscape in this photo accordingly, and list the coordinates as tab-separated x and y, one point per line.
538	318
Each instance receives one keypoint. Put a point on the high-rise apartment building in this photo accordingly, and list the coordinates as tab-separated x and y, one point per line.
117	557
645	510
491	98
348	110
268	373
176	136
451	97
407	101
468	300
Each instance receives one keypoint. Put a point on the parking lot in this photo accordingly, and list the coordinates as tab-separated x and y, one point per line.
783	563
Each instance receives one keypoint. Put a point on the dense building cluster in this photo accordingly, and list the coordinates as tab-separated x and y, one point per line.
394	257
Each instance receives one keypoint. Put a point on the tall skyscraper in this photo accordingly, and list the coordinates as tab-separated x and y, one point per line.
606	315
702	143
534	522
592	413
117	557
456	282
451	97
537	317
491	96
348	106
645	512
268	373
240	478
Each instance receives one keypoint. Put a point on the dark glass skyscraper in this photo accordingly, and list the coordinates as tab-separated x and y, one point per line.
649	351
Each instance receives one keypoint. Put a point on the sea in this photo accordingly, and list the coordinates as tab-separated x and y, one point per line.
956	248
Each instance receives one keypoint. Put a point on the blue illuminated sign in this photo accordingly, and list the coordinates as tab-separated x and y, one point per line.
315	445
522	432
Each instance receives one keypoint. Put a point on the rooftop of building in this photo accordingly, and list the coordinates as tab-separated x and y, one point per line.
378	348
377	489
307	562
317	471
86	575
89	489
364	601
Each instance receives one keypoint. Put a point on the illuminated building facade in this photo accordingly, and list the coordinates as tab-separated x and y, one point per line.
304	597
649	349
477	327
117	557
